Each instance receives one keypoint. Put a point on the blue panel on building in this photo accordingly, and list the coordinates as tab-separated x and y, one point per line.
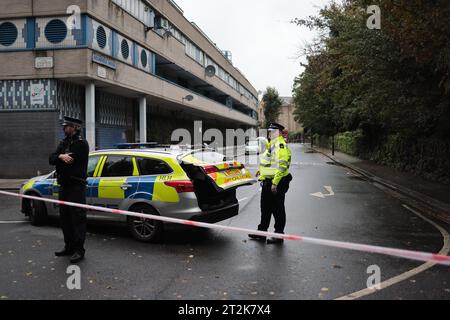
107	138
31	33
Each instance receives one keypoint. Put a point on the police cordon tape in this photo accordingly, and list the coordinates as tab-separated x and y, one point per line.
400	253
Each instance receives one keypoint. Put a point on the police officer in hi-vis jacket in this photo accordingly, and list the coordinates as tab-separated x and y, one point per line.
275	178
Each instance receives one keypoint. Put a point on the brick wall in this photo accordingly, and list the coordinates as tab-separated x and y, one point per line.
26	140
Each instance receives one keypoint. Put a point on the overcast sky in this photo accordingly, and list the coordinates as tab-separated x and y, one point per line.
258	33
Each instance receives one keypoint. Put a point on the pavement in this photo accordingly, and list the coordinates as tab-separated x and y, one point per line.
11	184
425	195
199	264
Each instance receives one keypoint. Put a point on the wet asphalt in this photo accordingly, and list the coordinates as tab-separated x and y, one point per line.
199	264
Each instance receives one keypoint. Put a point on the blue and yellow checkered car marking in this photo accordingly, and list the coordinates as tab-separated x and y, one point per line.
150	188
146	188
44	187
28	185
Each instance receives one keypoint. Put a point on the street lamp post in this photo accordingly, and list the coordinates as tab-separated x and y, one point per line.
332	145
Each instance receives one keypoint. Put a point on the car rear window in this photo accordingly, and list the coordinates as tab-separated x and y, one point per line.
152	167
208	157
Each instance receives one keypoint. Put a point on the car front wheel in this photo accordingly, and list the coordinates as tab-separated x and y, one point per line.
145	230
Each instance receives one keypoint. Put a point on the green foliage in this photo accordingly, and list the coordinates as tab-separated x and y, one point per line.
349	142
295	136
385	93
272	105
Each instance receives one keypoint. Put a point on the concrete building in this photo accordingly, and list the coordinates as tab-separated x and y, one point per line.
134	70
286	117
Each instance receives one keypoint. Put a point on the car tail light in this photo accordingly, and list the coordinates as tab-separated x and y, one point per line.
238	165
181	186
210	169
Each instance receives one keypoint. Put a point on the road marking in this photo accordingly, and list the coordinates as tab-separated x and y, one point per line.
314	164
409	274
321	195
11	222
330	190
318	195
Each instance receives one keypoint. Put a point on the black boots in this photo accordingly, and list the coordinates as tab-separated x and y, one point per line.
256	237
76	257
275	241
269	241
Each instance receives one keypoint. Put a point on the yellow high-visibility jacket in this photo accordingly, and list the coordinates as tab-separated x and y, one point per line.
276	161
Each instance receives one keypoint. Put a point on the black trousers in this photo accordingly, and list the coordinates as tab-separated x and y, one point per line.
273	204
73	220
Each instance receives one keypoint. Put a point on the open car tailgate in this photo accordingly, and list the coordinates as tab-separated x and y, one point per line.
229	175
224	175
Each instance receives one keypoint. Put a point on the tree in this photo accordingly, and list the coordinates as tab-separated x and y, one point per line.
392	84
272	106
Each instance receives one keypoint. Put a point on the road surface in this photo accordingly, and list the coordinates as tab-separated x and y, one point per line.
325	201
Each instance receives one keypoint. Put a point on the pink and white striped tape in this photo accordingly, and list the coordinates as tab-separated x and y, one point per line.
407	254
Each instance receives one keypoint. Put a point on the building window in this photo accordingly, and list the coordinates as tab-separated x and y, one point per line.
144	59
8	34
139	9
125	49
101	37
56	31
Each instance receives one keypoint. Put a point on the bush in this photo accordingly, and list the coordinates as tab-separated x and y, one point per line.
427	157
349	142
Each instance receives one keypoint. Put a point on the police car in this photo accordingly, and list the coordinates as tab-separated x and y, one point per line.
196	185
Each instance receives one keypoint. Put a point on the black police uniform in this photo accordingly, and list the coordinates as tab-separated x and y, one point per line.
72	181
273	204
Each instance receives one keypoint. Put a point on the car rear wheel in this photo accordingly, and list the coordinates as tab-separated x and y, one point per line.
145	230
37	213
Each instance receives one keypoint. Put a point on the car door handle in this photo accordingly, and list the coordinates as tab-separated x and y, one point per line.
125	186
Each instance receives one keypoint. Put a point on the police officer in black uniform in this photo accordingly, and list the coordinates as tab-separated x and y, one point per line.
71	160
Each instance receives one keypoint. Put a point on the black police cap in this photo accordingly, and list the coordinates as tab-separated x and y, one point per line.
68	121
276	126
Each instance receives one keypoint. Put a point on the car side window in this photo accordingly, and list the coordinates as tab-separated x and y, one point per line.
92	164
152	167
118	166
